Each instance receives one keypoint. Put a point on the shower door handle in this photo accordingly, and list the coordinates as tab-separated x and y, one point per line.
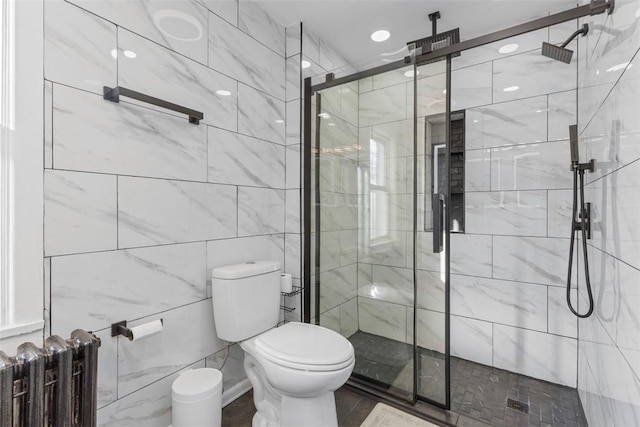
438	216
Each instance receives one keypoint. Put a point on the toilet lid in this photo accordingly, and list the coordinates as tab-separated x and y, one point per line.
305	346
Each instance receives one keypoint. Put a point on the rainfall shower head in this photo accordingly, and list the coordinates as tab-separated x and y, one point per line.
436	41
573	141
556	52
429	44
559	53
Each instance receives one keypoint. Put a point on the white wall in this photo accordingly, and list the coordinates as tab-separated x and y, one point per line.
608	112
140	205
21	128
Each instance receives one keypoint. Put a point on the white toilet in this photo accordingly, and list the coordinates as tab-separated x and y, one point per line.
294	369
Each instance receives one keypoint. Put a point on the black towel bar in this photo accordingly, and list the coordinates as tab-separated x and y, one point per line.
113	95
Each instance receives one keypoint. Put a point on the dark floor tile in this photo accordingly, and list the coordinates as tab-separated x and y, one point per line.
346	400
239	413
478	393
358	414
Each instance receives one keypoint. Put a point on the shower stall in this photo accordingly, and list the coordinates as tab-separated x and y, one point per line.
434	169
381	179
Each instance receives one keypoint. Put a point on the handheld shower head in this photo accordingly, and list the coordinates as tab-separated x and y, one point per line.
560	53
573	141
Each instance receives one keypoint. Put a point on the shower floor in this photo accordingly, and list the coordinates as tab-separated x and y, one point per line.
478	391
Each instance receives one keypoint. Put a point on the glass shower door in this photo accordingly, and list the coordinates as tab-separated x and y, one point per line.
432	233
372	226
363	230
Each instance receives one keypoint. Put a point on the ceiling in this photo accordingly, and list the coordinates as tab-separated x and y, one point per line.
347	24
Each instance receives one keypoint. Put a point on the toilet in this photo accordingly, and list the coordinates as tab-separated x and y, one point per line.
294	369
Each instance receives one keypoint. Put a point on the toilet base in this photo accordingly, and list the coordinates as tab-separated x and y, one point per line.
275	409
317	411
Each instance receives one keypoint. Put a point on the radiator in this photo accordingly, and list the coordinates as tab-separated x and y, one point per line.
51	386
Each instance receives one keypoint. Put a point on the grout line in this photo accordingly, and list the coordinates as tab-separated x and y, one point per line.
159	245
238	212
141	177
117	212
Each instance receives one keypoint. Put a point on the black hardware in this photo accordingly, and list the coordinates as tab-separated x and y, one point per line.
114	94
584	30
580	220
120	328
584	221
438	214
518	406
536	24
599	6
560	53
433	17
329	77
306	203
590	166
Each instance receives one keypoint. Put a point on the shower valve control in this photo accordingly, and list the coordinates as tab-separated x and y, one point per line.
584	221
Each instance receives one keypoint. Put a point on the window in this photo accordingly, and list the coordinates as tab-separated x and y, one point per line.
21	172
378	193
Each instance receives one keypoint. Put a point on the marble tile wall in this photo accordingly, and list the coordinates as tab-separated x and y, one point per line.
140	205
608	110
509	268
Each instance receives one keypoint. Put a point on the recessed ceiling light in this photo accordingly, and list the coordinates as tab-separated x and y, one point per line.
114	53
511	88
538	111
130	54
638	13
331	124
380	35
409	73
223	92
508	48
444	91
324	115
178	25
476	121
279	121
305	64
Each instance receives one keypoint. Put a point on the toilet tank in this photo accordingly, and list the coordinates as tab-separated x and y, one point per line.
246	299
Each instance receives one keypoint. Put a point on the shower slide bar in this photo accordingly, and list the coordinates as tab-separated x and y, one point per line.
114	94
51	386
594	7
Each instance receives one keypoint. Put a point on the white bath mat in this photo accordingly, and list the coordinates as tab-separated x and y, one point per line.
387	416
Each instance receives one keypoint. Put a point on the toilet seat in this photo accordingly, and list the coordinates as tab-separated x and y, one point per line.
305	347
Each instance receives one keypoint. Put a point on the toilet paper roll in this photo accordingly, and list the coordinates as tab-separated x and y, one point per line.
286	283
146	330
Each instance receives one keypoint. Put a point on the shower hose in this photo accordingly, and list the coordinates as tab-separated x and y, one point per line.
574	227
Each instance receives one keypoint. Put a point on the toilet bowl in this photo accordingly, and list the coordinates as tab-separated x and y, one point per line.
294	369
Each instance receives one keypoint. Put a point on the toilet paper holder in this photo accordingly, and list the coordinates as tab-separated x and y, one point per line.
120	328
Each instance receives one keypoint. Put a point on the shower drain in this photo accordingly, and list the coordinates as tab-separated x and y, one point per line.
518	406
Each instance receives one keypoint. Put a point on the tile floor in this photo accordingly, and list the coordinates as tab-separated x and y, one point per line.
479	393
